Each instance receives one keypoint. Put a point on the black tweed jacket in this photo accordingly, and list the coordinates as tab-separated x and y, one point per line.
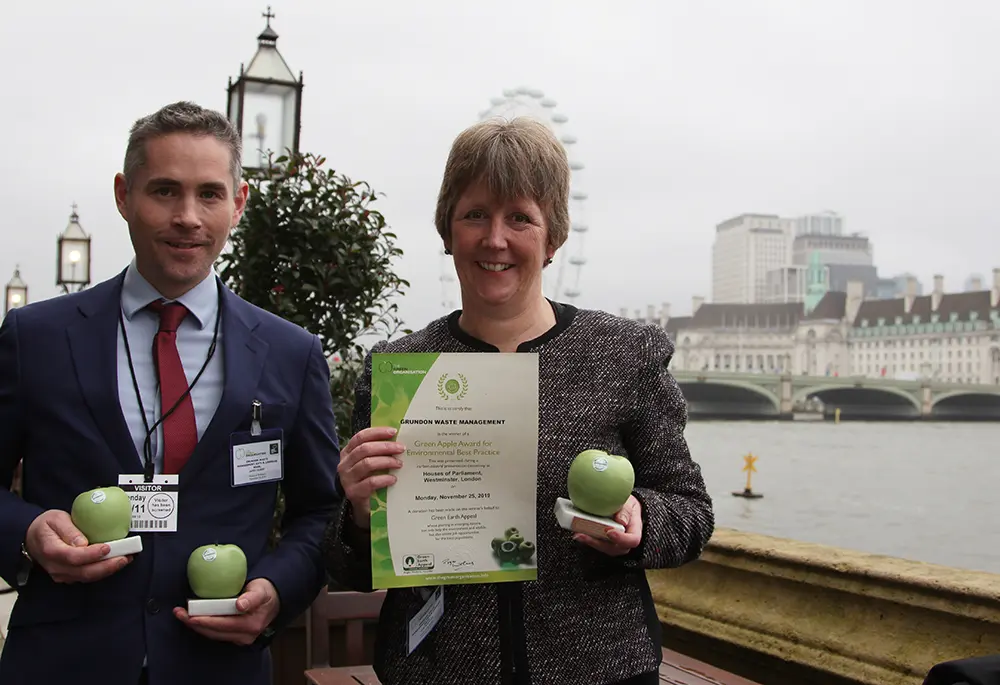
589	619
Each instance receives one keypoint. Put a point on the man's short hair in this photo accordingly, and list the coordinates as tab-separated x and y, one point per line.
182	117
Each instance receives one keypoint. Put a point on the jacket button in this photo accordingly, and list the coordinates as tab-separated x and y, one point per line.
152	606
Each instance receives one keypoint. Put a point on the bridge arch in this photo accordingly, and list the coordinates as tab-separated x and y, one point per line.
971	405
865	401
728	398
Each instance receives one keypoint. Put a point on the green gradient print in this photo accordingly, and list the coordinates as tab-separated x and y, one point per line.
393	388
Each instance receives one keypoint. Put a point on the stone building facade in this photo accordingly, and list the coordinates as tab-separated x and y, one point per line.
947	337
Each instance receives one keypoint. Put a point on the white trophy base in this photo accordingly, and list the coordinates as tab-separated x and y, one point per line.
213	607
571	518
124	547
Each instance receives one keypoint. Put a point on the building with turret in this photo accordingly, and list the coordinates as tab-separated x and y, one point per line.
949	337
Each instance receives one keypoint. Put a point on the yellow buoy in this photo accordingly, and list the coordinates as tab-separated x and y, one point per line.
749	467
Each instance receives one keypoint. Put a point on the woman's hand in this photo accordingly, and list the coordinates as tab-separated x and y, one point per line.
619	544
368	452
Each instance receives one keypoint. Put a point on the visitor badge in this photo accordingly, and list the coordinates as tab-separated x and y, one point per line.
423	622
256	458
154	505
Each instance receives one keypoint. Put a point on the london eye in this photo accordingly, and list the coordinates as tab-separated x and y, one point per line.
561	279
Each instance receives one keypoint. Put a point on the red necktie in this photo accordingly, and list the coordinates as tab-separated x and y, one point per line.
180	433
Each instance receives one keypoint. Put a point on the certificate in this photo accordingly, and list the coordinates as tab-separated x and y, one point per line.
463	507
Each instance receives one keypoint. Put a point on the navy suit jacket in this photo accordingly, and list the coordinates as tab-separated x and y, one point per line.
60	413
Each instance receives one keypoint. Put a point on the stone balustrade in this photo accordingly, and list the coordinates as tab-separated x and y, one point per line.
782	611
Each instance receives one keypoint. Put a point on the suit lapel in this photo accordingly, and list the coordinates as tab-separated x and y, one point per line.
243	355
93	342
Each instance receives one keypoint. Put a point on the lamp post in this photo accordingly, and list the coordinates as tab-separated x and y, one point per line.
73	256
15	294
265	102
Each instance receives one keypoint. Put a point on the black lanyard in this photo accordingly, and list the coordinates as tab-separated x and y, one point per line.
147	451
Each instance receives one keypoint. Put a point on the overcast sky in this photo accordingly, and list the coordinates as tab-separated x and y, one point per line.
687	113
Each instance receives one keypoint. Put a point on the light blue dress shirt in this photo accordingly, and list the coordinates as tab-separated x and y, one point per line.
194	337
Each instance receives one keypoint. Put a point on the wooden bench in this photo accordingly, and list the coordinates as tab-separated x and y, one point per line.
353	610
676	669
348	675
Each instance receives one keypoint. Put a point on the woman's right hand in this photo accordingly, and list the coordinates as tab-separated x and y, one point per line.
366	454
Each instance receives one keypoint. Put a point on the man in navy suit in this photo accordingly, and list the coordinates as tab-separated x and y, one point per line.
161	375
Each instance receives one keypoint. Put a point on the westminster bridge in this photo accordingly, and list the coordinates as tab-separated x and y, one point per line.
721	394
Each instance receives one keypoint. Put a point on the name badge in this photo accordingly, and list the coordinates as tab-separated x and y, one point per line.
154	505
422	623
256	458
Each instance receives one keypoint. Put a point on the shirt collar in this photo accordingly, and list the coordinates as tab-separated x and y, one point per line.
201	301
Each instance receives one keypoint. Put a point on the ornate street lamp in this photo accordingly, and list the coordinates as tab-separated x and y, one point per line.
265	102
73	256
15	294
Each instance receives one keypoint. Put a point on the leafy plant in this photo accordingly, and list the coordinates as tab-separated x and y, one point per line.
312	249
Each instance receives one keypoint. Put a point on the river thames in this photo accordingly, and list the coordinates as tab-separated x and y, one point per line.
922	491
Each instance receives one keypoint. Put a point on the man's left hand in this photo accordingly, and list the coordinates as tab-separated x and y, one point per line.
619	543
258	606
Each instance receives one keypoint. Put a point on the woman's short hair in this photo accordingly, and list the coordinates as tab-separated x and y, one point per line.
519	158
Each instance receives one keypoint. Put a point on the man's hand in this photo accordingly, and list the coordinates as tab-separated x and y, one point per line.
259	605
55	544
620	543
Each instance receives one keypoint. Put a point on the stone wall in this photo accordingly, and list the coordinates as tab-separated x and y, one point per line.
780	611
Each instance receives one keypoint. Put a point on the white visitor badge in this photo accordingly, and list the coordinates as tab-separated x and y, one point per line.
154	505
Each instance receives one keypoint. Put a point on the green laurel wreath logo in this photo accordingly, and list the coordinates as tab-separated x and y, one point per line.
452	389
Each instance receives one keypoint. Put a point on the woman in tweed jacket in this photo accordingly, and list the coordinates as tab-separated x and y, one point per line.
589	619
